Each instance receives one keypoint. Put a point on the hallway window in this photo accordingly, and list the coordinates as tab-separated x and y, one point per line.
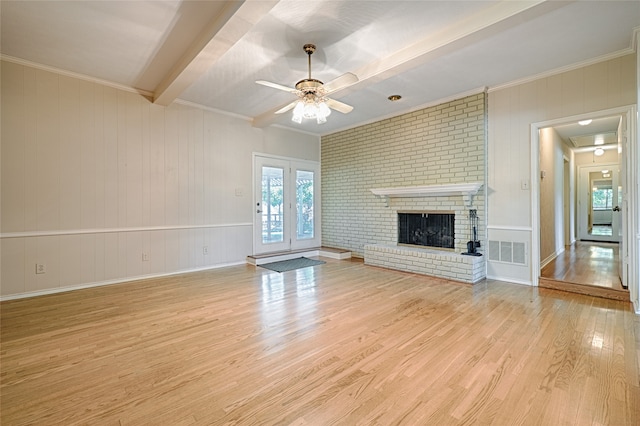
602	198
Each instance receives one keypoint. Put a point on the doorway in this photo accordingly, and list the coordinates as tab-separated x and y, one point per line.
286	194
592	207
598	209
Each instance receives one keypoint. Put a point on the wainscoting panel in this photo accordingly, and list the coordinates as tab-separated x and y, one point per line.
94	176
78	260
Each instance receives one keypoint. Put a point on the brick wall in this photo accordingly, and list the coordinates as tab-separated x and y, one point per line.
436	145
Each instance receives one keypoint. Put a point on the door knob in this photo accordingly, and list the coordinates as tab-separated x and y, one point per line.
258	211
616	209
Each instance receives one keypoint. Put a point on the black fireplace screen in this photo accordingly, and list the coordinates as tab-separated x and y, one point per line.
426	229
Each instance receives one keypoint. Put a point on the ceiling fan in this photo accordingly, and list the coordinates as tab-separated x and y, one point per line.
312	94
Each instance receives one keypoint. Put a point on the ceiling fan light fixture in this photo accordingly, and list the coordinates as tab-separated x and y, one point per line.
323	109
312	94
298	112
311	107
309	110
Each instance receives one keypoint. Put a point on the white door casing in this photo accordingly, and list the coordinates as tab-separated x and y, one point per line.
584	191
286	204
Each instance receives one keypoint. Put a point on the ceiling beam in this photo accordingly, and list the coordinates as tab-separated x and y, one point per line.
468	30
234	21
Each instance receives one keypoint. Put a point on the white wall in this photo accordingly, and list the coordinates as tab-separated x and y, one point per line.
92	177
552	153
512	110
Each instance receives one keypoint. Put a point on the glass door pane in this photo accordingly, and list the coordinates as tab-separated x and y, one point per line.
304	205
286	208
272	204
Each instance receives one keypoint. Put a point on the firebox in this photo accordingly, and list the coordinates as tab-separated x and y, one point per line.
427	228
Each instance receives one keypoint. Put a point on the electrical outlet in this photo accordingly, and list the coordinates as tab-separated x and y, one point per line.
40	268
145	257
205	250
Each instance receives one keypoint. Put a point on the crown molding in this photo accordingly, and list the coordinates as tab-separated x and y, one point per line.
624	52
79	76
430	104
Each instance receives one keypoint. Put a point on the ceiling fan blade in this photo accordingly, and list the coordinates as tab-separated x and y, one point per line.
339	106
340	82
277	86
287	107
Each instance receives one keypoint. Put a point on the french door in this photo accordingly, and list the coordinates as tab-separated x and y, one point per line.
286	207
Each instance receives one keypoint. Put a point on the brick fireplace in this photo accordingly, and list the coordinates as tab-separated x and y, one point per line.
439	253
441	147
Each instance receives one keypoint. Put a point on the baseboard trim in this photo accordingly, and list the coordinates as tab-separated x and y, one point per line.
110	282
551	257
510	280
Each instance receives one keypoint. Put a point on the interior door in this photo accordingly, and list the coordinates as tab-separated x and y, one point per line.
598	215
286	204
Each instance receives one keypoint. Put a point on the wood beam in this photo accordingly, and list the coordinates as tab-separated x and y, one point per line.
234	21
469	30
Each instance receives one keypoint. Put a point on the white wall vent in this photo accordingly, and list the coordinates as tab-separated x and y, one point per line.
508	252
519	254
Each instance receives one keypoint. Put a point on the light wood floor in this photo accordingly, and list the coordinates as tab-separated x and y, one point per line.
588	268
341	343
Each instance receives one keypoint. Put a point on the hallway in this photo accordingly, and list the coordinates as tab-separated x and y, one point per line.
588	268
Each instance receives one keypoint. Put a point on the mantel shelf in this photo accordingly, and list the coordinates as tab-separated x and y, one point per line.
465	190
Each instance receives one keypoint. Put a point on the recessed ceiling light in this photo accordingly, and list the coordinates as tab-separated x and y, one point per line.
394	98
606	175
585	122
598	152
604	172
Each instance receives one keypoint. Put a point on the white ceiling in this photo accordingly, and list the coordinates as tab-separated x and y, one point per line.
212	52
604	130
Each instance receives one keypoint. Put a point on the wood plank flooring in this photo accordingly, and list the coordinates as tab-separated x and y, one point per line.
341	343
587	268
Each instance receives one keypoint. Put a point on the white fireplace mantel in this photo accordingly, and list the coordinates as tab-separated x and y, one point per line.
465	190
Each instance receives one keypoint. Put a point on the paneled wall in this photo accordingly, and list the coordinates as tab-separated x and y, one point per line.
512	110
552	232
437	145
99	185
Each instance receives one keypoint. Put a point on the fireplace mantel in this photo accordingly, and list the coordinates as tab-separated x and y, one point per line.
465	190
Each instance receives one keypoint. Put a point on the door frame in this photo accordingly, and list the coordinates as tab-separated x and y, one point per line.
289	228
580	216
629	112
566	201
